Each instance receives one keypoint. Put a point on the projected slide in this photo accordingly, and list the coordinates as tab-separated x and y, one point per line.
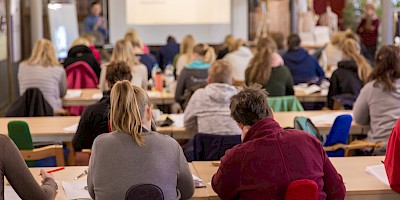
178	12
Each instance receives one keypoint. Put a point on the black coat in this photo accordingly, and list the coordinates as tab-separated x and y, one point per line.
85	54
345	82
30	104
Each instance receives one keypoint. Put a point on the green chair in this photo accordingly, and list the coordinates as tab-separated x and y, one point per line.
51	155
285	104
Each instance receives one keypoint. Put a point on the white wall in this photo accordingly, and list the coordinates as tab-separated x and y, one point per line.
157	34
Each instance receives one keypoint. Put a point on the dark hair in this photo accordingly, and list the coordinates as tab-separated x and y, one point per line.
293	41
279	39
250	105
171	39
117	71
259	70
94	3
387	68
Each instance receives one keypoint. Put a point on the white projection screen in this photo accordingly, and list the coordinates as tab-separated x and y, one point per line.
207	20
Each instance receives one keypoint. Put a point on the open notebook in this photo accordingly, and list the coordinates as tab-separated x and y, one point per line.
379	172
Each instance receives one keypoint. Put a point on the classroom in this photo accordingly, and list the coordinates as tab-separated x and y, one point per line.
200	99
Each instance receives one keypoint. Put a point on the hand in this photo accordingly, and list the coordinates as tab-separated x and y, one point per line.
45	175
99	22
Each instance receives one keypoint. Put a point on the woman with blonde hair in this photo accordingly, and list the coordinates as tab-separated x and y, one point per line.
350	77
196	72
80	51
185	53
227	46
267	69
42	70
133	152
239	58
133	36
123	52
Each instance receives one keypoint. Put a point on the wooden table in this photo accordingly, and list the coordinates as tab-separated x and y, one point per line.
69	173
86	98
315	97
359	184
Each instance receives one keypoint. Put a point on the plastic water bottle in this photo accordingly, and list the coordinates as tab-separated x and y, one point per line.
169	76
156	73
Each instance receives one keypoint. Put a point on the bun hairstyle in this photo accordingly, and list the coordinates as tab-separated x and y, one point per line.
205	51
117	71
352	49
128	107
387	69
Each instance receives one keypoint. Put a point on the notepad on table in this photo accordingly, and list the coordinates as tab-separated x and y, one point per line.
178	120
325	119
72	128
379	172
9	193
76	190
198	182
71	94
152	94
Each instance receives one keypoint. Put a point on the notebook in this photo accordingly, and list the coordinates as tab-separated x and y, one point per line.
379	172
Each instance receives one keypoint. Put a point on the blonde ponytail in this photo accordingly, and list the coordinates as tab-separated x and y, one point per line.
128	106
206	51
352	49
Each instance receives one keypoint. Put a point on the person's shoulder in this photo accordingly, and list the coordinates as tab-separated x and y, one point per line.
163	139
4	139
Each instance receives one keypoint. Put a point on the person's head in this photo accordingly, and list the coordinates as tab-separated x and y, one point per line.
279	39
387	69
123	51
117	71
351	35
90	37
351	50
293	41
237	44
95	8
259	70
133	36
338	38
44	54
171	39
130	110
204	53
80	41
187	45
229	42
220	72
250	106
370	9
136	47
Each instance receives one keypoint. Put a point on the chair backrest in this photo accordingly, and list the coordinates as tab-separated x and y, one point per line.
305	124
19	132
339	133
208	147
302	189
144	191
80	75
44	156
285	104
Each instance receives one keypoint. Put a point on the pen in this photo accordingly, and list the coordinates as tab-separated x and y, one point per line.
54	170
81	175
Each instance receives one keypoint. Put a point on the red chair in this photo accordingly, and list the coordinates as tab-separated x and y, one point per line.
79	76
303	189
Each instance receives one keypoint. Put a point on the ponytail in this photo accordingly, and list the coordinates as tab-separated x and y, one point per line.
352	49
128	105
259	70
206	51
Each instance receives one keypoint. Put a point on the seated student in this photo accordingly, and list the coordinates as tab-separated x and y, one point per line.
80	51
134	153
379	100
333	50
239	58
185	53
267	68
167	53
352	73
14	168
208	108
42	70
392	158
133	36
279	39
123	52
270	157
92	40
194	73
147	59
94	119
302	65
226	46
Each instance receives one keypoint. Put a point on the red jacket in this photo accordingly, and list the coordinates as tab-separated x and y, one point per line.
368	37
269	159
392	159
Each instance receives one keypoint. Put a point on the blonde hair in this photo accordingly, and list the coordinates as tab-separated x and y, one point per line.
187	46
220	72
43	53
259	70
236	45
229	42
128	107
80	41
133	36
206	51
338	38
123	52
352	49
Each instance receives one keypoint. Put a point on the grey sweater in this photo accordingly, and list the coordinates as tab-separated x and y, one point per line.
14	168
118	163
378	108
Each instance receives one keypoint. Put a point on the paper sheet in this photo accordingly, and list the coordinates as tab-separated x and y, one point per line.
72	128
178	120
71	94
325	119
153	94
76	190
10	194
198	183
98	96
312	89
379	172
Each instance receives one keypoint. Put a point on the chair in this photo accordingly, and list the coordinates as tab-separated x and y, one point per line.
30	104
305	124
302	189
49	156
207	147
339	134
144	191
285	104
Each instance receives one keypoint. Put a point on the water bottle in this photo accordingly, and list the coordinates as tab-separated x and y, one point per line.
156	73
169	75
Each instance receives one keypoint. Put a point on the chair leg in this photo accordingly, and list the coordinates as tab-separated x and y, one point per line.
71	156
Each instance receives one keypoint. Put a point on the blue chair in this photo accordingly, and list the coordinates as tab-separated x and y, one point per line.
144	191
339	134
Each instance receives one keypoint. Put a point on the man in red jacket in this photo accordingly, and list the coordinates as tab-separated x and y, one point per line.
392	159
270	157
